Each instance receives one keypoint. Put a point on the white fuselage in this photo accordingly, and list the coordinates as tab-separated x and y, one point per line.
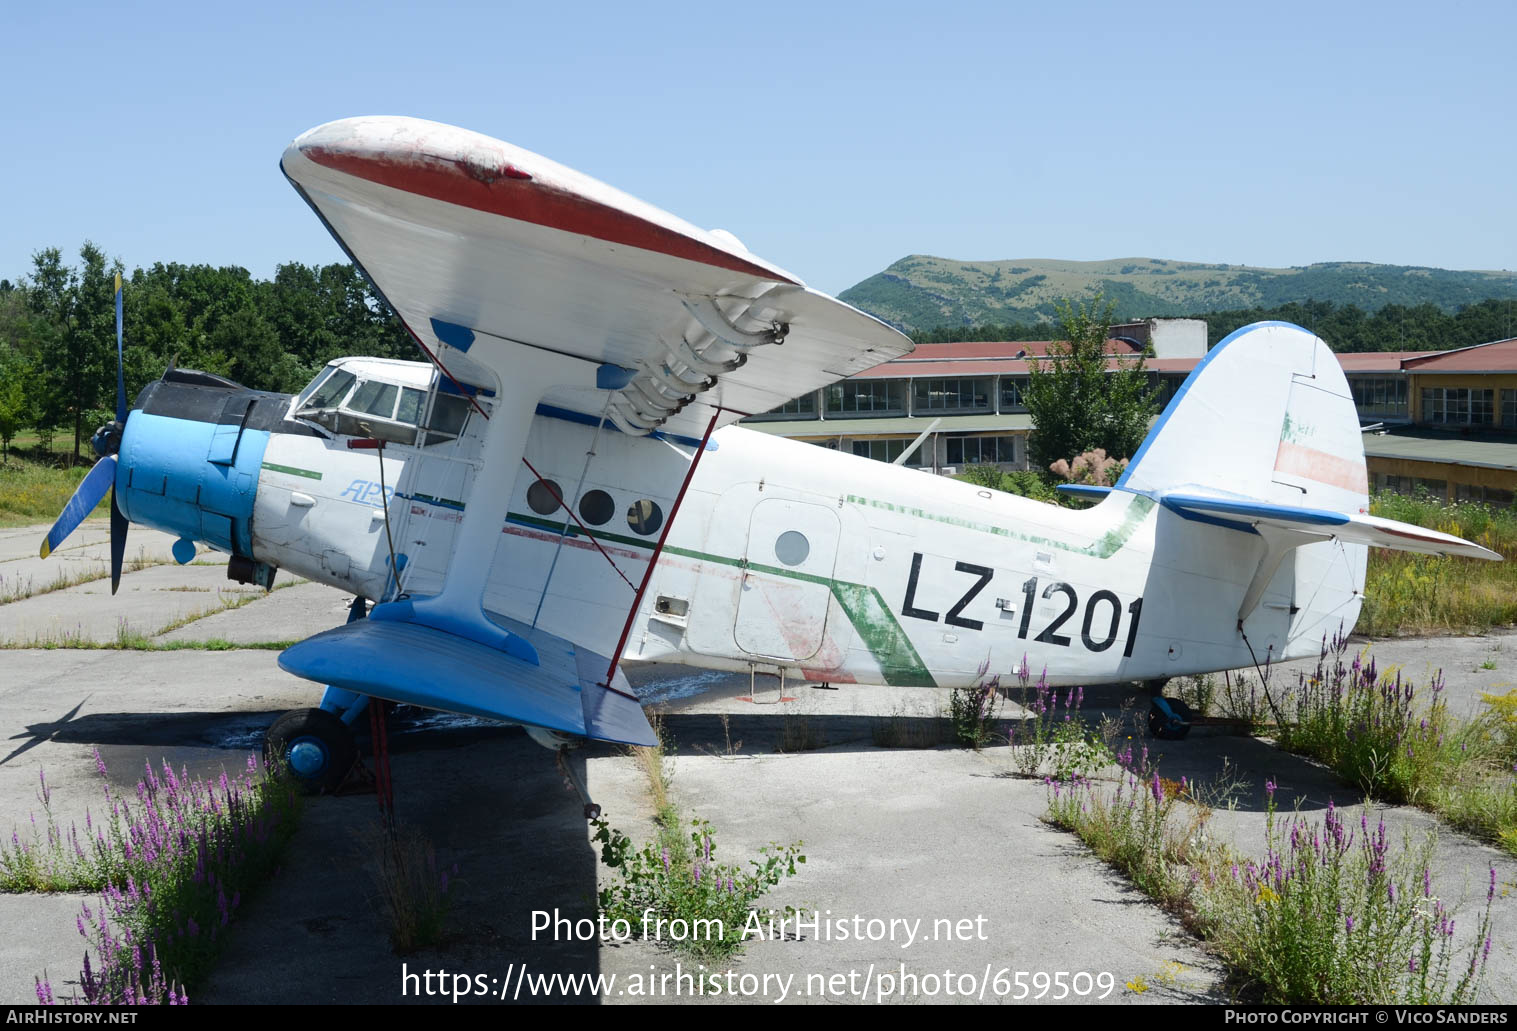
784	555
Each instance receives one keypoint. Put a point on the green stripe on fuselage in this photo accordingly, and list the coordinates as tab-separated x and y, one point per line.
309	474
875	624
1105	546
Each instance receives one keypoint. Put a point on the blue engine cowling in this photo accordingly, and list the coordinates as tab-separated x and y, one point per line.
190	458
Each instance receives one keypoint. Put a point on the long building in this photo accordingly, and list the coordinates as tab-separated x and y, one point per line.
1440	421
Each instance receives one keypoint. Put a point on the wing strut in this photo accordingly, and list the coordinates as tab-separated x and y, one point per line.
616	655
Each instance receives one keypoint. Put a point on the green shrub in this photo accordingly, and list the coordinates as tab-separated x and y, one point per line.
674	891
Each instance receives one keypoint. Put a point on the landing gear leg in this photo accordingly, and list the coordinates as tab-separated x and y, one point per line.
592	809
1156	687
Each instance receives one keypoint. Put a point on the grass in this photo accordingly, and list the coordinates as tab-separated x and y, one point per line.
35	482
974	712
1394	743
133	641
1052	737
902	729
413	892
173	864
799	732
17	589
130	639
1331	913
655	761
1407	594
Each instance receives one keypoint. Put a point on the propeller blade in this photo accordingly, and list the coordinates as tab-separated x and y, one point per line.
119	524
91	489
120	367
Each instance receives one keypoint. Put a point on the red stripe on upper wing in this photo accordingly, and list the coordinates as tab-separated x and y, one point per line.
511	195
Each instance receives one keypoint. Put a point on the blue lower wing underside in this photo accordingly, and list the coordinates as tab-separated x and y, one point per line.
423	665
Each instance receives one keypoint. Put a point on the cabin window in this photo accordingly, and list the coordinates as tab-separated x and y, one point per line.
792	547
645	516
543	495
596	507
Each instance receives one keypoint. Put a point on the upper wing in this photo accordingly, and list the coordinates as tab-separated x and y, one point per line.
467	236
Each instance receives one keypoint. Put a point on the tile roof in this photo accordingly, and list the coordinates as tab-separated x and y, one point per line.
1496	356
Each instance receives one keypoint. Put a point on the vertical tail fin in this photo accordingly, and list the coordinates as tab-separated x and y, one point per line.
1264	438
1267	416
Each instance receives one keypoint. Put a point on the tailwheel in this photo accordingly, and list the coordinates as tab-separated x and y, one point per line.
315	746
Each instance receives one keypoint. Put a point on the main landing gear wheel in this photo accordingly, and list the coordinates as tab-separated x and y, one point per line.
316	746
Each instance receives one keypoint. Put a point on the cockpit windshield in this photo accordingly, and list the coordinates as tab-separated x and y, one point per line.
326	390
361	404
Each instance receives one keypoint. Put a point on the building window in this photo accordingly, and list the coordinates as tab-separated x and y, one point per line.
950	395
1379	396
1458	406
980	450
890	450
1165	386
803	407
1013	393
1509	409
867	397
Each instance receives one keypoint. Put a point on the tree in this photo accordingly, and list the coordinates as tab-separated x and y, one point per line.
1076	404
76	361
15	408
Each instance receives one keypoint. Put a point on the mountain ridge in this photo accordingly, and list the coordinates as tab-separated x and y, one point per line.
923	292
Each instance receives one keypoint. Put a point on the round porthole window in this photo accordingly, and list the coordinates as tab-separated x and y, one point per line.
792	547
596	507
543	496
645	517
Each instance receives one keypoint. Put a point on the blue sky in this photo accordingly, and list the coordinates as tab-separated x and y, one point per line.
833	139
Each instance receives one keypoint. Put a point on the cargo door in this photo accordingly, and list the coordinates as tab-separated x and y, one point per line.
787	576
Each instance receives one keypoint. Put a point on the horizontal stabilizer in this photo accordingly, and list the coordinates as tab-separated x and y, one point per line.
423	665
1083	490
1324	523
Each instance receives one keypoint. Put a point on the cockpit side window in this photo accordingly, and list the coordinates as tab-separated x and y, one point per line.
375	398
449	413
411	401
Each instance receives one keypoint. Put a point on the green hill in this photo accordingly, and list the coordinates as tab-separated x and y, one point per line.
923	292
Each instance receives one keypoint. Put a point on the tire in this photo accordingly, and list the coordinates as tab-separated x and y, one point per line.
315	746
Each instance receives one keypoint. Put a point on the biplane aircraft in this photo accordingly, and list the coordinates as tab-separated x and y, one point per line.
559	486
